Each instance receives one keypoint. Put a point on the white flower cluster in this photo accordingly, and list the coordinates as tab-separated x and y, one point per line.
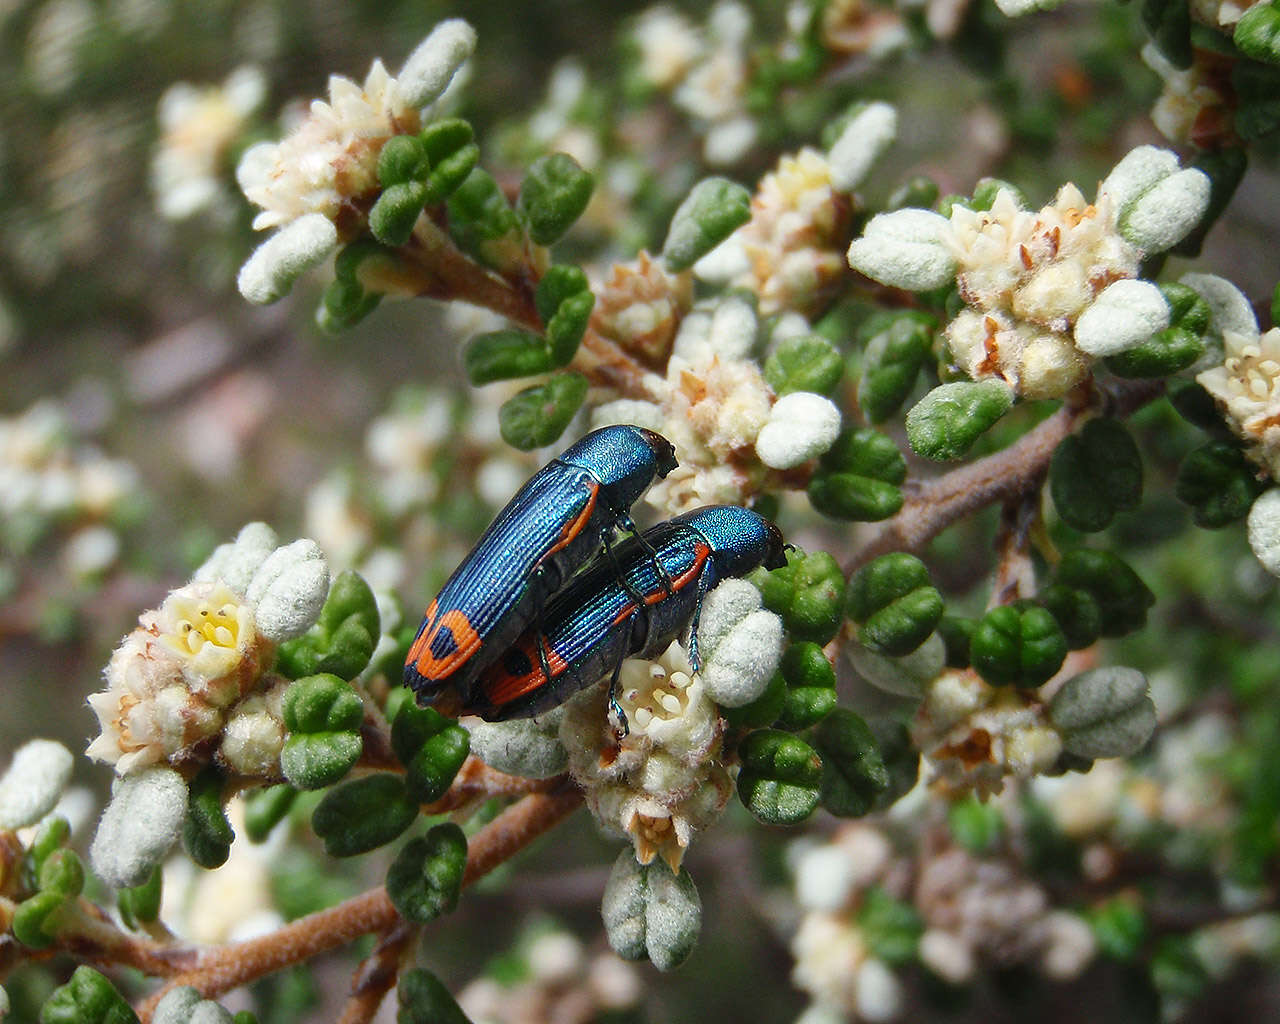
562	982
192	679
198	129
46	479
665	780
790	252
976	735
705	70
310	184
1045	292
640	306
834	963
715	407
861	27
984	911
1194	100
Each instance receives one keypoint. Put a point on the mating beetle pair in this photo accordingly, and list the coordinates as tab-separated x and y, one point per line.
508	637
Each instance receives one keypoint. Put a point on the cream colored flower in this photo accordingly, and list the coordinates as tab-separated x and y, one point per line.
640	306
1247	389
176	681
668	45
198	128
663	781
976	735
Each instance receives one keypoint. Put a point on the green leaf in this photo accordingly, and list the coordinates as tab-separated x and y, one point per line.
806	362
442	138
88	998
1017	646
426	877
1169	22
450	173
649	911
975	825
141	904
266	808
396	211
1219	483
363	814
1077	613
207	834
857	477
780	776
1104	712
808	592
1165	353
562	281
505	355
1119	926
342	639
891	362
432	749
917	191
553	195
810	693
63	873
403	158
956	632
891	927
853	772
537	416
761	712
423	999
566	328
323	715
713	210
1122	597
949	419
893	600
35	919
479	212
1095	474
1257	33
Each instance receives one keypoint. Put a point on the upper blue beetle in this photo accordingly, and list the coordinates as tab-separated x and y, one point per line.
556	521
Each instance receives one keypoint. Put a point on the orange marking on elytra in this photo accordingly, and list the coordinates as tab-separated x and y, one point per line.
576	525
466	642
502	688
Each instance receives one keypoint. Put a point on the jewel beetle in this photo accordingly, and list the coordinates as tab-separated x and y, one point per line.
632	605
556	521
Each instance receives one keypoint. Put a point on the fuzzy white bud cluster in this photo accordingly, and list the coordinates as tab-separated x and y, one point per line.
330	161
33	782
1045	292
196	666
664	780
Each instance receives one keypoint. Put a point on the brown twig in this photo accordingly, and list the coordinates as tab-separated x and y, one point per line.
224	968
377	973
933	505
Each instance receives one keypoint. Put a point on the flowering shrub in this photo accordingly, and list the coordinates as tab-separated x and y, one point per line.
1048	729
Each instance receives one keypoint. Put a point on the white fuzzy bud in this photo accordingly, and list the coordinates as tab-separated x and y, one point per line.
236	561
730	602
1137	173
1229	307
801	427
289	589
142	821
183	1005
744	661
861	143
304	243
1126	314
1166	213
733	328
1264	530
1017	8
34	781
528	747
879	995
905	248
430	68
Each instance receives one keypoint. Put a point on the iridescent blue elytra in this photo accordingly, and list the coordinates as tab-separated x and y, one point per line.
614	610
556	521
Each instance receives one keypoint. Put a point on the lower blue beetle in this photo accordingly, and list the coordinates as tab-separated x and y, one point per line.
555	522
634	604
